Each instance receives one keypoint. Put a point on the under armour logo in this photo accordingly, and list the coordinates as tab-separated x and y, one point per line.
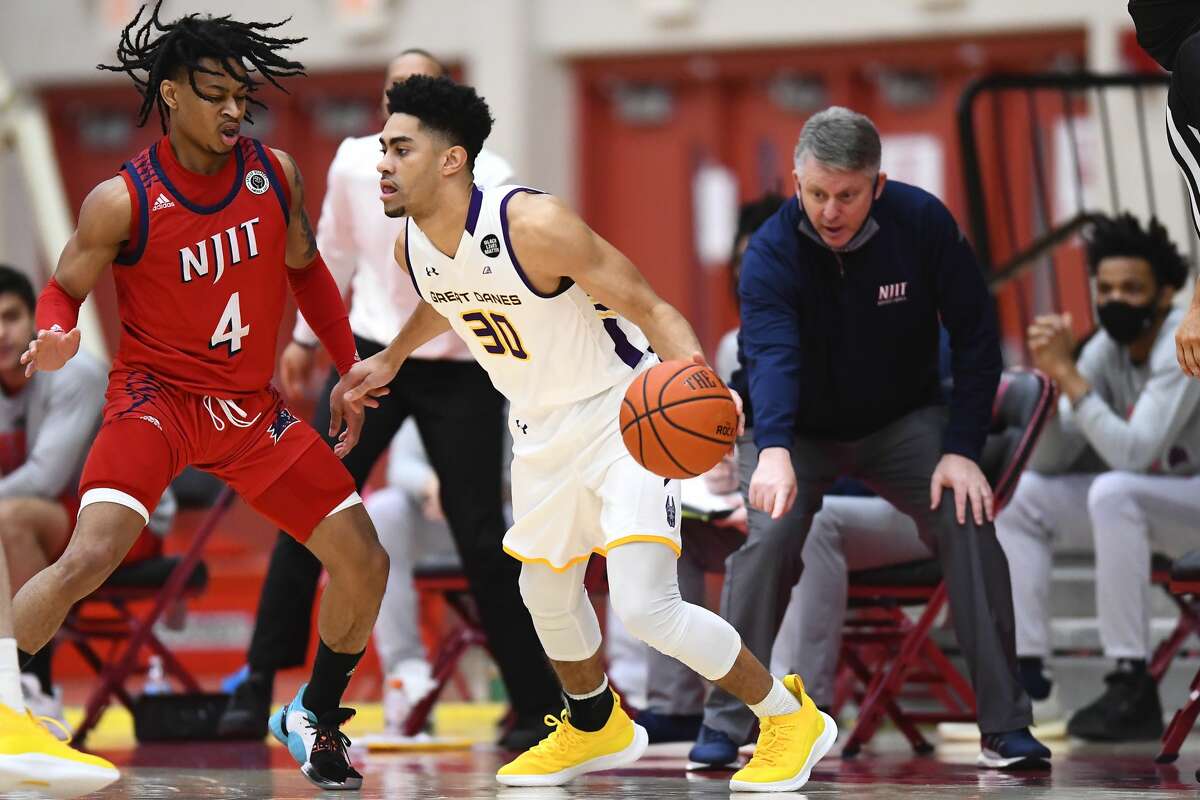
522	427
430	272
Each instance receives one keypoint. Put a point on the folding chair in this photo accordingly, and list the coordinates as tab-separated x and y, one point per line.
115	614
1184	586
883	649
447	582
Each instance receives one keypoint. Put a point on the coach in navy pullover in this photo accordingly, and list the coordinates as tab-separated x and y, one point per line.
839	343
841	293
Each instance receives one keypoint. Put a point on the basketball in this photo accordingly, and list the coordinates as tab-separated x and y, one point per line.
678	419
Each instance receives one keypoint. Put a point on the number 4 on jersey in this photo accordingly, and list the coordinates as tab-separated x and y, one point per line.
230	330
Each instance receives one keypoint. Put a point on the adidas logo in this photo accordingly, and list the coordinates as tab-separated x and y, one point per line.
487	269
162	202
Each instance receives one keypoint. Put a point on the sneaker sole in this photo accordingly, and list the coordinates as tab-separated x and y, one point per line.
820	748
704	766
29	771
315	779
621	758
1023	762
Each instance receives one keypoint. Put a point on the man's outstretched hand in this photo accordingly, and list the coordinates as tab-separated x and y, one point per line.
50	350
359	389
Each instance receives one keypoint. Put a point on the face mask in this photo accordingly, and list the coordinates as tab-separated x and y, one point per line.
1125	322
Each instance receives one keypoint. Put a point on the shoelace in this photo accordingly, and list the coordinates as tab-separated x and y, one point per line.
561	739
329	738
229	408
771	744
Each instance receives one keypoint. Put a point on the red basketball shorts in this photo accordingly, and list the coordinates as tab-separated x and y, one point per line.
274	460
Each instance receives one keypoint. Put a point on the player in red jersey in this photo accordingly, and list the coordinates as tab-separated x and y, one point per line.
206	230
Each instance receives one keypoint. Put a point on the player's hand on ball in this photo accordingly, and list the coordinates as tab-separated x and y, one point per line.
773	486
50	350
359	389
698	358
1187	342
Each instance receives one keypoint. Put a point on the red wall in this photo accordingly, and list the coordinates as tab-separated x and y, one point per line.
636	178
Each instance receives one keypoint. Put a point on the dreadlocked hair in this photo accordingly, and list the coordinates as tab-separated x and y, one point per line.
1124	236
450	109
161	50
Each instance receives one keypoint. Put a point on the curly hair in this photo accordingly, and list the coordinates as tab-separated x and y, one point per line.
450	109
1124	236
161	50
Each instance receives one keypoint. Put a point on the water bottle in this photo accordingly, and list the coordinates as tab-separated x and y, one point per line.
156	678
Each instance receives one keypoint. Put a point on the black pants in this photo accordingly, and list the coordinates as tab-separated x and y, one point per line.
460	418
1183	119
897	462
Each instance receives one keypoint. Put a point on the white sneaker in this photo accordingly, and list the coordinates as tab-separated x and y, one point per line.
41	704
407	684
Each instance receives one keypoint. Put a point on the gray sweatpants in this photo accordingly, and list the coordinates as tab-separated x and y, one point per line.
897	462
1124	515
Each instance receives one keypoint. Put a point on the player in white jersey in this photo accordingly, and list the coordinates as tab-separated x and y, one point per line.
563	322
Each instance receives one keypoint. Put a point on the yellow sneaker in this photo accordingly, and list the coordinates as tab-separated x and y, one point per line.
788	746
569	752
31	758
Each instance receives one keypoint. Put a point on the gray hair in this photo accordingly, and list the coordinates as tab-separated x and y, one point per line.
841	139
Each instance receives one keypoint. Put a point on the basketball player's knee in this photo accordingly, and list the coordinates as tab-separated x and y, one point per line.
654	614
87	563
1110	492
360	560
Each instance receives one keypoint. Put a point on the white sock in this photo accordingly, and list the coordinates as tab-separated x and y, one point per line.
594	693
779	701
10	676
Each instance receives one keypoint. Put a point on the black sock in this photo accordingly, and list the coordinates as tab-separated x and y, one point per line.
39	665
330	677
23	659
1032	673
591	714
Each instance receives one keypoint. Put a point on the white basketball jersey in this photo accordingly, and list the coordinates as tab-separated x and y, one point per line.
541	350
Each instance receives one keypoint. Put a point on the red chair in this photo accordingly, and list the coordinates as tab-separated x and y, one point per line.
111	617
447	583
1184	586
883	650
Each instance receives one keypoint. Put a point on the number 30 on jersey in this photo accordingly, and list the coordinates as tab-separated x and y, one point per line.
230	331
496	334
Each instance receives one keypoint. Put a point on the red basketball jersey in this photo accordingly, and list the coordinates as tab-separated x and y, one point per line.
201	283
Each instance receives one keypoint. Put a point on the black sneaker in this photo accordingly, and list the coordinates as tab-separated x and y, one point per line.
1128	711
246	715
670	727
525	733
328	765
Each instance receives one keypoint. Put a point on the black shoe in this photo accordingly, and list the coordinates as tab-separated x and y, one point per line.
1012	750
246	715
670	727
328	765
524	734
1128	711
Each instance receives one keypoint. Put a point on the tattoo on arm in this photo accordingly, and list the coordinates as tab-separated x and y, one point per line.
310	238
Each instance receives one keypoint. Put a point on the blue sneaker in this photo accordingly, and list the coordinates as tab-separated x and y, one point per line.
670	727
712	750
1013	750
318	745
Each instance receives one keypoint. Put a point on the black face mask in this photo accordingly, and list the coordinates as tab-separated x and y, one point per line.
1125	322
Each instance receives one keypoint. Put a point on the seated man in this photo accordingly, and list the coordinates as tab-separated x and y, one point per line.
47	422
1117	469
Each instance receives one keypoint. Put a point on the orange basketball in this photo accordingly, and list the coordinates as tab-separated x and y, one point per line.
678	419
